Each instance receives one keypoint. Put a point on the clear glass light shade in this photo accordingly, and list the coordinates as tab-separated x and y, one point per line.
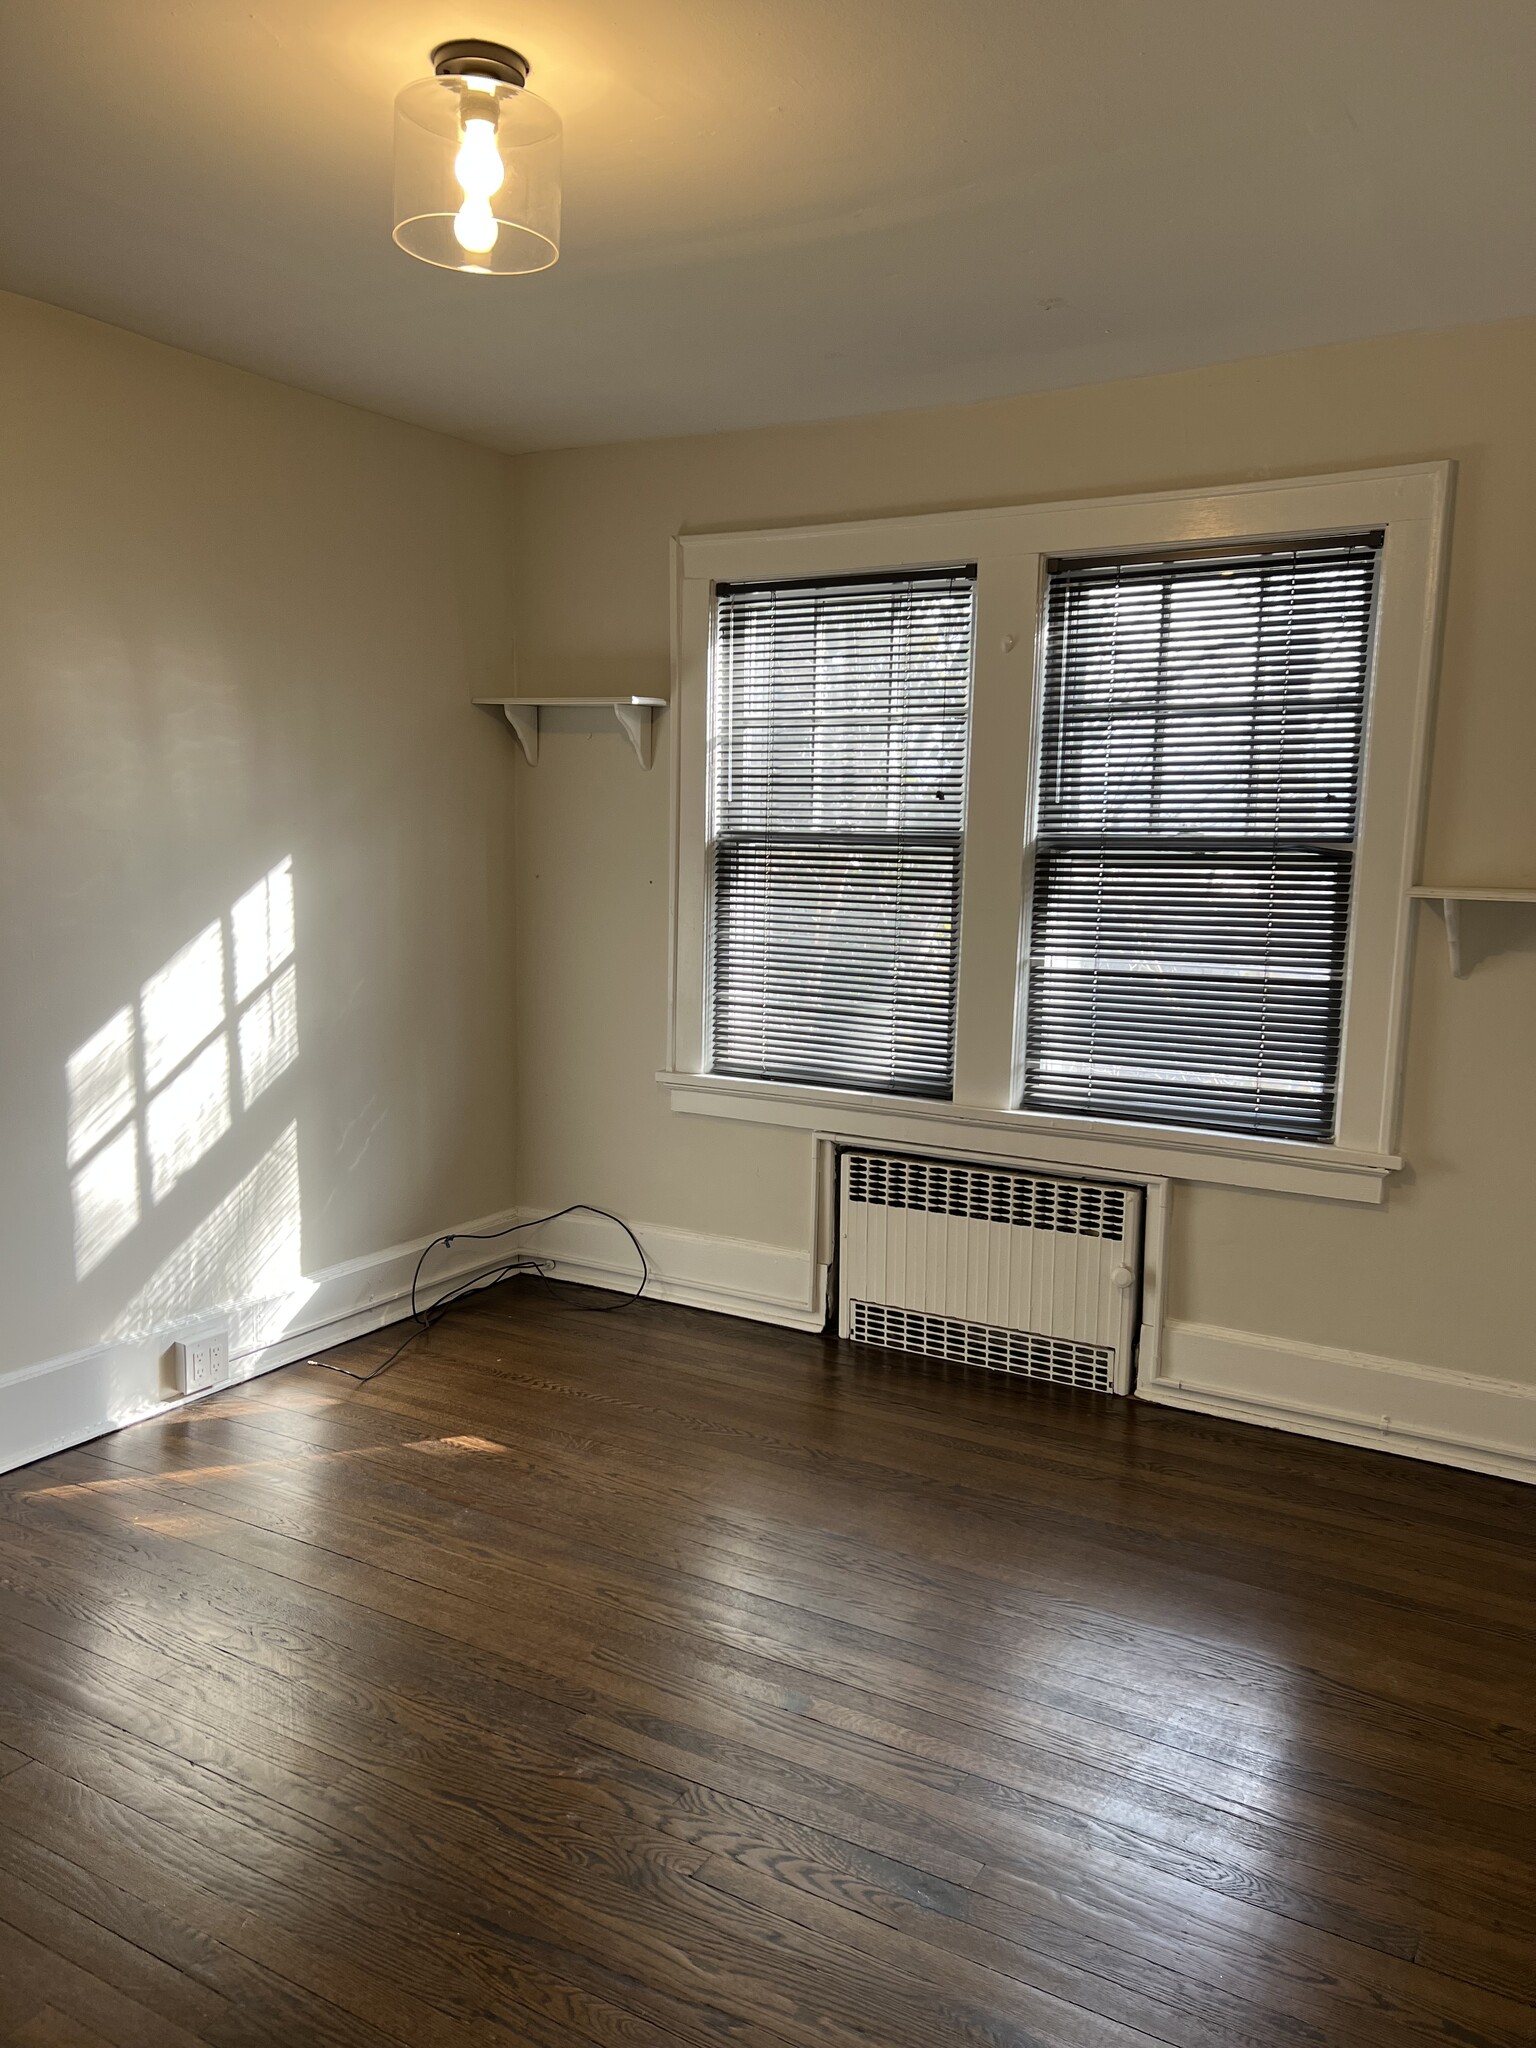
477	176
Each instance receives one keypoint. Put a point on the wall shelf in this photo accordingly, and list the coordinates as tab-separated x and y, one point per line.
1451	895
634	714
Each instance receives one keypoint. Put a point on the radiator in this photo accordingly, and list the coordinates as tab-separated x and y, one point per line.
989	1266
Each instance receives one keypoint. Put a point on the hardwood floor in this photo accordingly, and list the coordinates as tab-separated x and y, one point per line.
659	1678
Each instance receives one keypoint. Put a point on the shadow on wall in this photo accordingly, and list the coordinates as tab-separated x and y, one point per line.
167	1080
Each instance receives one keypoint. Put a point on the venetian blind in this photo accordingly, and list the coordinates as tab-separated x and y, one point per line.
1196	811
839	747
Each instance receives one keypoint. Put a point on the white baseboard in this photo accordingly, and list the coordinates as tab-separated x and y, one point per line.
734	1276
1482	1424
1351	1397
67	1401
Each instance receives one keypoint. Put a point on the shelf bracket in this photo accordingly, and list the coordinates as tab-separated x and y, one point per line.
524	721
1452	908
1450	902
637	719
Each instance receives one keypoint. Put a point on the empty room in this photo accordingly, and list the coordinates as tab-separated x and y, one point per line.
768	1104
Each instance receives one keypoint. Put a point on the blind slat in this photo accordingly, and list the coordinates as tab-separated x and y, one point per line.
1196	807
841	713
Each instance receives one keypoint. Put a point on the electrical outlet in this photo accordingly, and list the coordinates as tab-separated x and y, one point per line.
202	1362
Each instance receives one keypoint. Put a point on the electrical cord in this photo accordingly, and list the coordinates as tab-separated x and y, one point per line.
491	1276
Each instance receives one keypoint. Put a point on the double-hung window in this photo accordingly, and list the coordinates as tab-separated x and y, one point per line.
1095	851
1197	792
838	809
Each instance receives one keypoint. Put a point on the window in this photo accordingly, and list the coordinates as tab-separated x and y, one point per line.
838	819
1196	804
1180	743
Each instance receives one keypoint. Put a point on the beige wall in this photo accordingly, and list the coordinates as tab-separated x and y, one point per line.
1440	1274
239	623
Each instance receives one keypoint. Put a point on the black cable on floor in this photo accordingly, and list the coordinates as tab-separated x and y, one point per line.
492	1276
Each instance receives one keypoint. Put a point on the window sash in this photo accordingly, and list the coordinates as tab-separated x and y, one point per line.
840	720
835	960
1198	985
1197	793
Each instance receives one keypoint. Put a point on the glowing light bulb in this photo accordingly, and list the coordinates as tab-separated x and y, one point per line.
478	165
474	227
480	172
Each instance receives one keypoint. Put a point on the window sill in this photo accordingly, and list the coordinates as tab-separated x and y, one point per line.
1332	1171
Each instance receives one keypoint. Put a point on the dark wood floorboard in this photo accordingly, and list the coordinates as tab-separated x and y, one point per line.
656	1678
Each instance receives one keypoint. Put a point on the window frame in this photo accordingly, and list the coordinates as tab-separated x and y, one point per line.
1011	546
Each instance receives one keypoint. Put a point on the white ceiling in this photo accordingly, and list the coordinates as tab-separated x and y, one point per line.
779	209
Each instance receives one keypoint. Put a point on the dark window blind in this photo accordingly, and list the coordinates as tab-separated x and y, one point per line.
1198	788
839	742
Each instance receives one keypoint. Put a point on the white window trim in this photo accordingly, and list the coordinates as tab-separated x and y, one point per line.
1010	547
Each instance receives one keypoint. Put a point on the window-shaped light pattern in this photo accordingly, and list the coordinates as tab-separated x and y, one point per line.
837	820
152	1092
1196	812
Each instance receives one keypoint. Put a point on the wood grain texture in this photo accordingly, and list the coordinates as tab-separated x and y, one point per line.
658	1678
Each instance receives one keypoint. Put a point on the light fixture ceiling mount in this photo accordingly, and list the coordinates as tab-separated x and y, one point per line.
471	59
477	164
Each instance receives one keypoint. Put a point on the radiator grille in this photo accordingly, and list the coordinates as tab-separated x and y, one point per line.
1065	1364
1075	1207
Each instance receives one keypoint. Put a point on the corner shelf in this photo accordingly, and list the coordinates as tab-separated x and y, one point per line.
634	714
1450	896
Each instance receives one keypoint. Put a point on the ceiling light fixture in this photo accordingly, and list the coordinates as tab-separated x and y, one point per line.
477	165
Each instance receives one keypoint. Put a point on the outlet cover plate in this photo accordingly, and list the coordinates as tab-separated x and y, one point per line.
201	1362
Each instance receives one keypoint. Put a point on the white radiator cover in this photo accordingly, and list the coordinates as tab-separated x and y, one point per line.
1023	1272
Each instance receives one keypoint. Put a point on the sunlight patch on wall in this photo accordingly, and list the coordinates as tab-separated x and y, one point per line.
99	1085
153	1091
188	1117
244	1257
106	1198
182	1004
99	1081
269	1035
263	927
